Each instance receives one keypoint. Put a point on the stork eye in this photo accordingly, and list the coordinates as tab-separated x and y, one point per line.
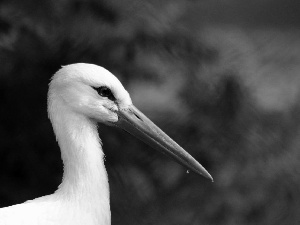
105	92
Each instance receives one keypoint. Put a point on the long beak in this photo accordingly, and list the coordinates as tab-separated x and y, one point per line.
136	123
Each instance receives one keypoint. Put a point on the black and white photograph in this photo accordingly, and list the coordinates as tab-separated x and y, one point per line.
149	112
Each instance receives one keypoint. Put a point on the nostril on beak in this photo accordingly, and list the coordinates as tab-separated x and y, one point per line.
136	115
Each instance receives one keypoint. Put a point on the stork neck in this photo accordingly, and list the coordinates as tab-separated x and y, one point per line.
85	177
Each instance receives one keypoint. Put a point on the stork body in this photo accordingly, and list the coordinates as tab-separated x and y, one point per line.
80	95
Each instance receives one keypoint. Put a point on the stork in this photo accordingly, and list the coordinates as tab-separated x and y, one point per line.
80	96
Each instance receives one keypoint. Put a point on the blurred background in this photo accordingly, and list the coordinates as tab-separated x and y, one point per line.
221	77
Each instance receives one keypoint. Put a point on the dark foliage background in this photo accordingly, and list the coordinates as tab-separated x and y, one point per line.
221	77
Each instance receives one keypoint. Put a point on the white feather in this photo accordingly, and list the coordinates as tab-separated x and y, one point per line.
83	196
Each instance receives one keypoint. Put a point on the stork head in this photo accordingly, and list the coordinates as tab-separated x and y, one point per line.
94	92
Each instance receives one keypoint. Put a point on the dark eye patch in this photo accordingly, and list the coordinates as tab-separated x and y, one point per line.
105	92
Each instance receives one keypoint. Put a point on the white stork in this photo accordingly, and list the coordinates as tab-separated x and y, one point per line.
80	95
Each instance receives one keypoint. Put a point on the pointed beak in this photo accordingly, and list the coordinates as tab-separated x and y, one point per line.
136	123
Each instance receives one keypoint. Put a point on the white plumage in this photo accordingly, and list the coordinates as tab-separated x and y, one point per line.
80	95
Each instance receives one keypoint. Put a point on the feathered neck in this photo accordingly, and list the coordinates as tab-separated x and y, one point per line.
85	180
